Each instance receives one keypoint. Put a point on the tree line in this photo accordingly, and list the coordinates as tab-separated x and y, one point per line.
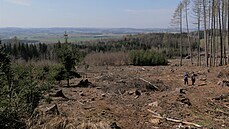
166	43
26	51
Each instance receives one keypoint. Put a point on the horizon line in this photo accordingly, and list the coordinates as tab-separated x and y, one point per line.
92	27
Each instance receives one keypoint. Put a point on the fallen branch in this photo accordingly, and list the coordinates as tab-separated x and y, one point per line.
226	106
153	112
219	111
203	84
149	83
120	93
155	115
212	100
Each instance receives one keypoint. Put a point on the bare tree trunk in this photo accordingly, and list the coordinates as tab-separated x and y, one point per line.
181	34
217	33
221	37
177	20
199	58
205	33
211	40
228	31
199	20
223	31
214	32
187	25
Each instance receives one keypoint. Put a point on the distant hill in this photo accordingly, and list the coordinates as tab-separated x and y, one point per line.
9	32
53	35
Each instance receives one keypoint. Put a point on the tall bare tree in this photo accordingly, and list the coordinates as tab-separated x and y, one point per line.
220	33
222	29
217	31
186	5
224	24
196	8
205	32
178	21
228	31
181	33
212	32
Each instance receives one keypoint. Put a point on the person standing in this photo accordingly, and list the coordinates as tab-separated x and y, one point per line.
186	78
193	78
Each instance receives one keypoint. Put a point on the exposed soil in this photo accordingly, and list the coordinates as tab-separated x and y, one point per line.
120	97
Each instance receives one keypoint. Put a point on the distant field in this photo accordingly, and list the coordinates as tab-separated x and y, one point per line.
54	38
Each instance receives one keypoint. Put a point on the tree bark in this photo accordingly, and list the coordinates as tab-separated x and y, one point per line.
199	23
227	31
205	33
187	26
181	34
217	32
211	19
214	31
221	37
223	31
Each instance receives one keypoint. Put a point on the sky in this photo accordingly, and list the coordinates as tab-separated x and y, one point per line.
87	13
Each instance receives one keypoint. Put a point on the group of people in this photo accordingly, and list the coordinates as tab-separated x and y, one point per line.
193	79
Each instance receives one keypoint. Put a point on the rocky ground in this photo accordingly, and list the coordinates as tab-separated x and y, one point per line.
129	97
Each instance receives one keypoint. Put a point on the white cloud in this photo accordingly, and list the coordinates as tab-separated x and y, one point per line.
20	2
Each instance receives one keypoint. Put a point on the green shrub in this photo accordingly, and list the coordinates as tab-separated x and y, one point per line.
21	88
20	95
147	58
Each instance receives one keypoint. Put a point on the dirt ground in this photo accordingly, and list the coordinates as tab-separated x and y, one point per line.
130	97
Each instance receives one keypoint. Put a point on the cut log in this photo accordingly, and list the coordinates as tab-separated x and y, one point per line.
220	83
131	92
203	84
103	95
60	94
137	92
173	120
84	83
203	79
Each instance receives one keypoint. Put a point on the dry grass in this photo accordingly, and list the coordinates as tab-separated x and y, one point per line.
109	58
